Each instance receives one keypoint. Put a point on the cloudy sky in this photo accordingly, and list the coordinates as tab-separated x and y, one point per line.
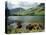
21	3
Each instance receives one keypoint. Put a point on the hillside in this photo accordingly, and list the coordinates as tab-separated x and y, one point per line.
35	11
16	10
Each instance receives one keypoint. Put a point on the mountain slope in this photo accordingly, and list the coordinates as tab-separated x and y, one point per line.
35	11
15	11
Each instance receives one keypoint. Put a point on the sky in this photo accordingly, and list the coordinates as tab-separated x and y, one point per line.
21	3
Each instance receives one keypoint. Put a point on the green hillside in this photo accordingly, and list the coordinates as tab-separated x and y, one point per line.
35	11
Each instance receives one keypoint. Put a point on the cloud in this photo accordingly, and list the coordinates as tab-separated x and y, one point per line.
21	3
12	6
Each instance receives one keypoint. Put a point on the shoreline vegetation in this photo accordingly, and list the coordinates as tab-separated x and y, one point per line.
18	24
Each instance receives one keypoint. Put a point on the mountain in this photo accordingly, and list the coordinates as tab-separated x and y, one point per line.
41	4
16	10
39	10
34	11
